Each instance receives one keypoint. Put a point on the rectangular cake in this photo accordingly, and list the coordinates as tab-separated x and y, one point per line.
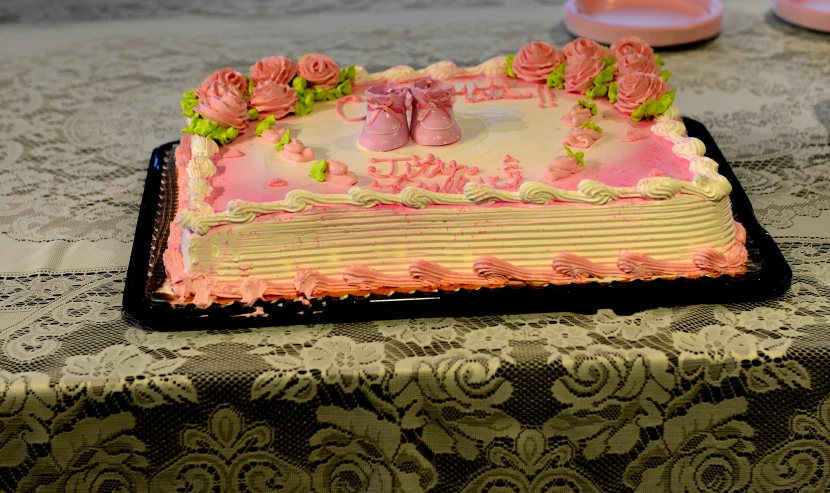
306	180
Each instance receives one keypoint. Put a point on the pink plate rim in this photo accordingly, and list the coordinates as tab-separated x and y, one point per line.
802	15
705	27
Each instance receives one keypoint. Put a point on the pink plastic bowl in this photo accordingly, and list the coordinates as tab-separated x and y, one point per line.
659	23
812	14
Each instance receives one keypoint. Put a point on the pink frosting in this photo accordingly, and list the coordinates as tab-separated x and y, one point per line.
216	89
535	61
226	76
229	110
561	167
319	70
632	44
634	62
274	69
576	117
582	138
233	153
274	98
583	47
272	135
634	89
580	73
339	174
295	151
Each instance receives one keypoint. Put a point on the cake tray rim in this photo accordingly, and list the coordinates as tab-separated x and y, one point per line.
769	276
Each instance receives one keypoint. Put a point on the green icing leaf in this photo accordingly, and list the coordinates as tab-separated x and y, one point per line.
318	170
556	79
345	87
200	126
319	93
250	85
607	75
224	135
600	88
612	92
598	91
665	74
509	60
586	104
253	114
659	60
653	108
347	73
608	60
265	124
286	136
591	125
299	84
210	129
578	155
189	101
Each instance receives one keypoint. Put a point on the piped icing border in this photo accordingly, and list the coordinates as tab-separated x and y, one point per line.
487	271
199	217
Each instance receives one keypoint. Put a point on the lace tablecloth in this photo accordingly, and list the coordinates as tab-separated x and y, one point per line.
703	398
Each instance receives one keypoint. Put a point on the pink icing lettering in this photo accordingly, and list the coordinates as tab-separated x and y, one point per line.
233	153
277	182
634	135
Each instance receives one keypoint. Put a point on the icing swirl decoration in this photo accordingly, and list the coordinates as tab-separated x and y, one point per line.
274	69
318	70
535	61
581	72
275	98
583	47
225	76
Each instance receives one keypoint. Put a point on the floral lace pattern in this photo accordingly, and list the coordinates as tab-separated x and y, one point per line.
721	398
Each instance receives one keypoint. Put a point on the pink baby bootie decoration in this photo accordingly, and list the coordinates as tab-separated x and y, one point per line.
433	121
385	128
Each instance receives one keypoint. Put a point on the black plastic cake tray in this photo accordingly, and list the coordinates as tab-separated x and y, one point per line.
768	275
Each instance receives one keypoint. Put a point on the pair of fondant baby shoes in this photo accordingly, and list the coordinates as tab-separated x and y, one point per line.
432	122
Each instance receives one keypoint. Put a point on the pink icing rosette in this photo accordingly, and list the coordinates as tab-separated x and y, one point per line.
274	98
561	167
634	89
227	76
216	89
580	73
633	44
319	70
274	69
535	61
582	138
583	47
634	62
576	117
228	110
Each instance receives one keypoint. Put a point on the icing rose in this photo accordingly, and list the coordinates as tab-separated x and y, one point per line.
580	73
227	76
274	98
561	167
634	62
229	110
582	138
275	69
633	44
535	61
583	47
576	117
319	70
634	89
216	89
